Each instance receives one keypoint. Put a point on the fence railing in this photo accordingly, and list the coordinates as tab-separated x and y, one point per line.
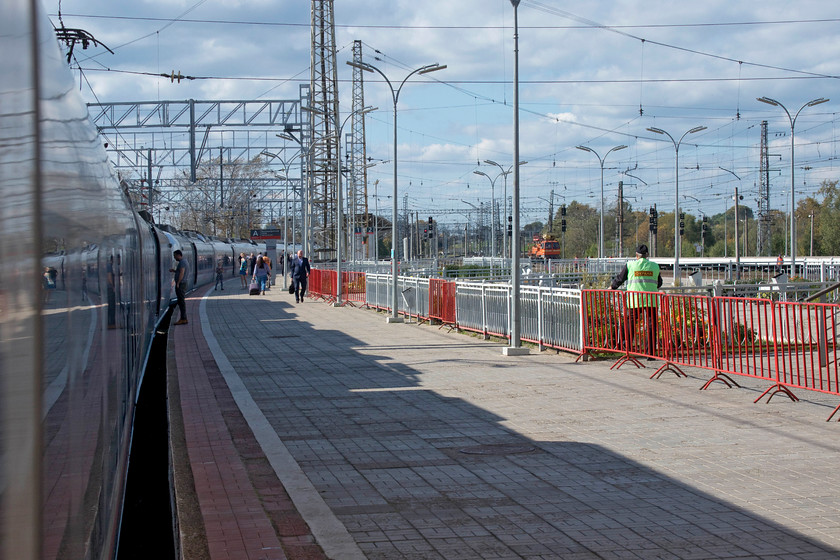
791	345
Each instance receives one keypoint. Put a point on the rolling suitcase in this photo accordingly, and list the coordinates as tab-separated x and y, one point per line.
254	289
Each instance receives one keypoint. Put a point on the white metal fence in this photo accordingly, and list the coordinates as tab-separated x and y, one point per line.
549	316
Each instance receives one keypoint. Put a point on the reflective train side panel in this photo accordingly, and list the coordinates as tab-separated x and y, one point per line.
84	281
76	305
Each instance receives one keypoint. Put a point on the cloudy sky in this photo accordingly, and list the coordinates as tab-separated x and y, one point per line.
597	73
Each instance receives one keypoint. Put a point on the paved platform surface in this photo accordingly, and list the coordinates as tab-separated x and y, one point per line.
388	441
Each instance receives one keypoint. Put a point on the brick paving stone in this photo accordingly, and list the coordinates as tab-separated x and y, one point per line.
377	417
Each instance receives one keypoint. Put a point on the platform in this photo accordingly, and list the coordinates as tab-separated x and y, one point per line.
313	431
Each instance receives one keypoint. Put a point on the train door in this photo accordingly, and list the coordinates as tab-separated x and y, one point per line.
194	265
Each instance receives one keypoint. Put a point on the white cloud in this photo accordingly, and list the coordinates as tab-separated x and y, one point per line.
586	77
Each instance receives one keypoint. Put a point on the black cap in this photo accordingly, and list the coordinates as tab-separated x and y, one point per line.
642	250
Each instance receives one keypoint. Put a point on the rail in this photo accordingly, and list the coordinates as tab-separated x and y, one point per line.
791	345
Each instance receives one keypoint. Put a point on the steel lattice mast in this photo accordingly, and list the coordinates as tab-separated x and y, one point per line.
323	141
763	235
357	185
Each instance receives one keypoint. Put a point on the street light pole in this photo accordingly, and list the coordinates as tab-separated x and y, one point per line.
792	169
677	194
601	161
505	252
286	168
305	222
395	96
492	216
515	347
339	200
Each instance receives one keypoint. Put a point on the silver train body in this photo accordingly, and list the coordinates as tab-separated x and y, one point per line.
84	285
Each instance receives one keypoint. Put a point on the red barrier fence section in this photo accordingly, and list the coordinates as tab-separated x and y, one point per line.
602	323
353	287
685	330
745	334
442	301
322	284
792	345
806	346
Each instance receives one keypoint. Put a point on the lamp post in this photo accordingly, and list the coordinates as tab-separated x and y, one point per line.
395	96
736	198
466	226
286	168
492	216
339	200
677	194
504	174
601	161
307	152
792	169
515	347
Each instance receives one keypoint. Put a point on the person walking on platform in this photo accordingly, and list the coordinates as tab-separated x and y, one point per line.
252	262
220	275
267	261
641	275
260	275
181	274
299	270
243	270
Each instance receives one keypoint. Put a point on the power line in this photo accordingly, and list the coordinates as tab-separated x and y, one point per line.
458	27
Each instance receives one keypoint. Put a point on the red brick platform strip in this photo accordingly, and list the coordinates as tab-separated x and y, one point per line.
247	512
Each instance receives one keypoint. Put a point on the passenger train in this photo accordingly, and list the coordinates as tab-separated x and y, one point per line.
85	286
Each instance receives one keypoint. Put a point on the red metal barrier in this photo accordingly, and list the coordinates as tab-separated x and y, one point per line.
686	332
602	310
442	301
793	345
353	287
322	284
744	333
806	348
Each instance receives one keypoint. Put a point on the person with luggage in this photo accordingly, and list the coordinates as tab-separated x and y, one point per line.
299	270
260	274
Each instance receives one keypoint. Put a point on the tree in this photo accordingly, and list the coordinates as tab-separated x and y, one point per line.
226	206
582	223
826	219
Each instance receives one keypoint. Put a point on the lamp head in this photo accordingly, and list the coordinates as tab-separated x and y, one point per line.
431	68
656	130
585	149
481	173
696	129
768	101
490	162
816	101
